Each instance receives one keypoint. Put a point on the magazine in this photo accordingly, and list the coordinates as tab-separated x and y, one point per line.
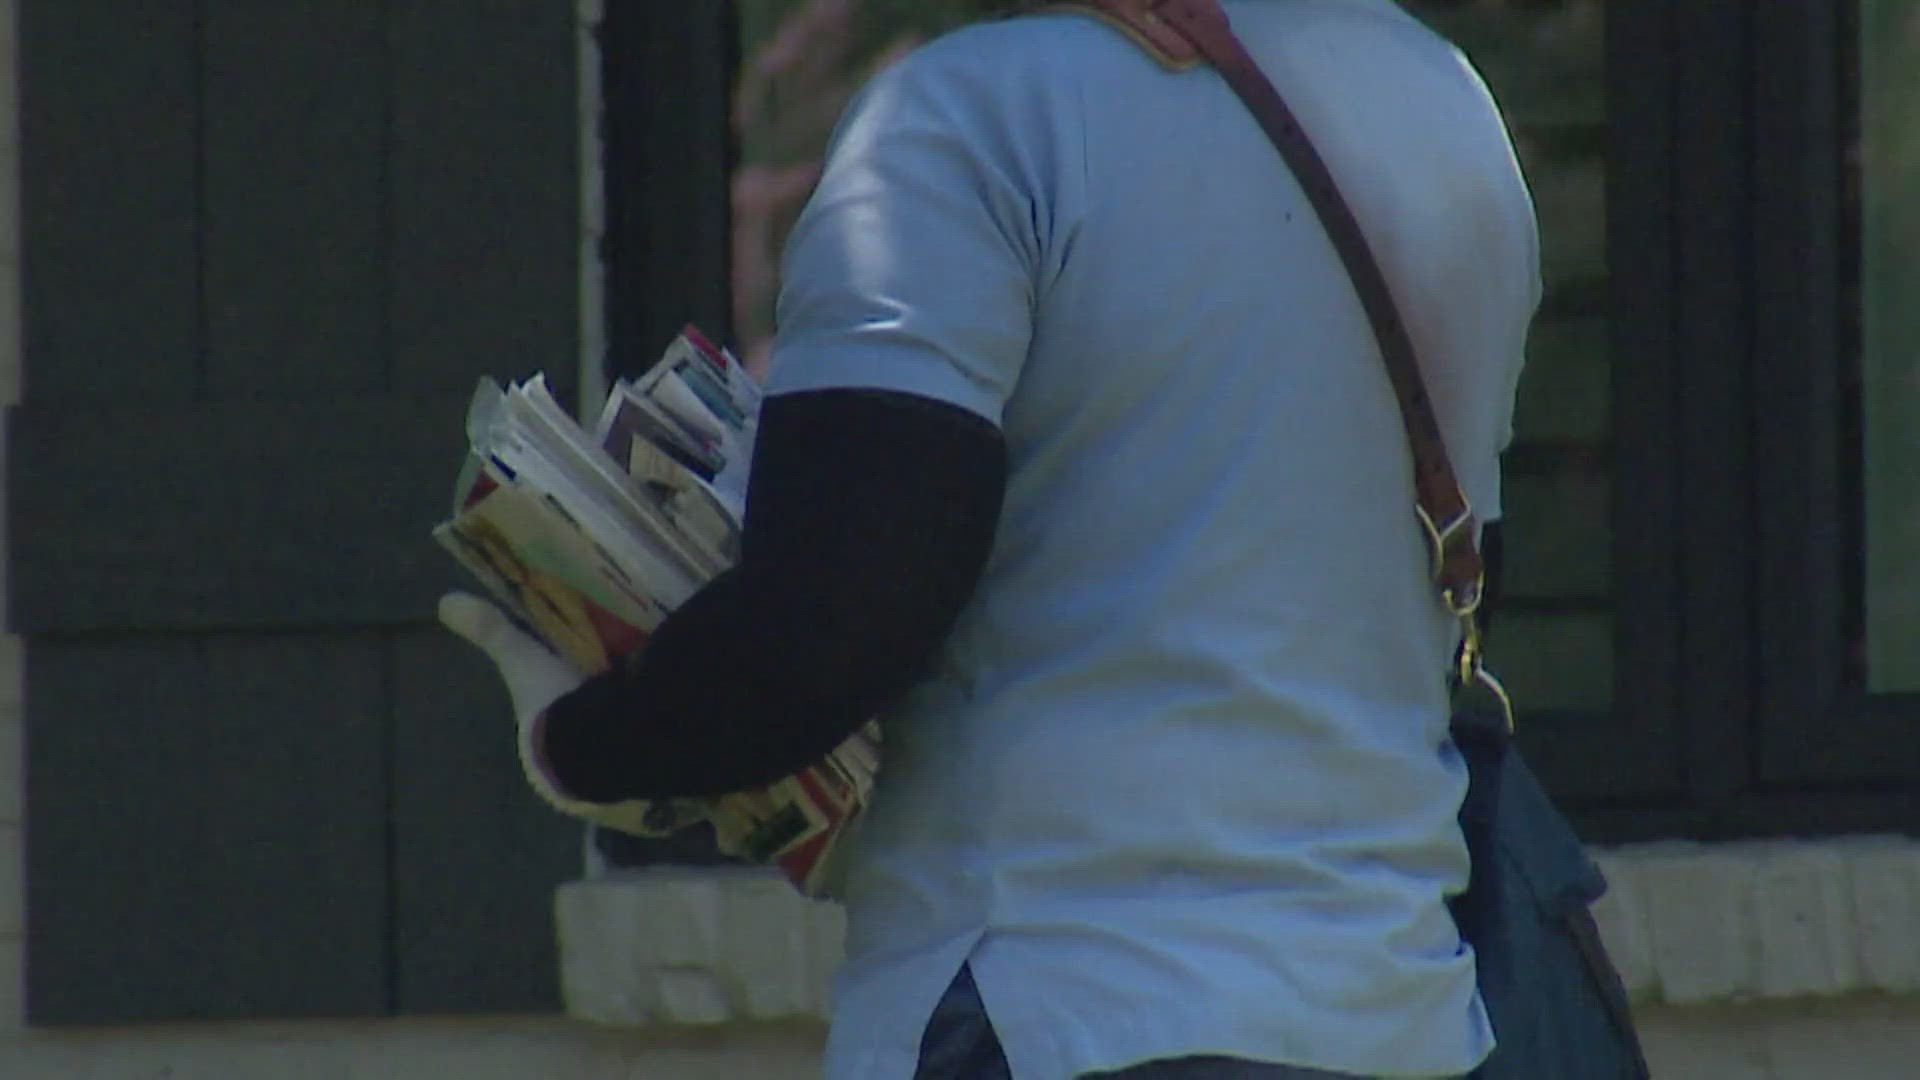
590	538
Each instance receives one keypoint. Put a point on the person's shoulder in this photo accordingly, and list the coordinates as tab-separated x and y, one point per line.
1039	42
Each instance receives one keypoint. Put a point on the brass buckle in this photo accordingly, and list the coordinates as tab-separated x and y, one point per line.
1439	535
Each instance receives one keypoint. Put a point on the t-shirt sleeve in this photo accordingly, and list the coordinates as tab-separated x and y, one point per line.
913	266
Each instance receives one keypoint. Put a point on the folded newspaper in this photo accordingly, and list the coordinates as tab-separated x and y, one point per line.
591	537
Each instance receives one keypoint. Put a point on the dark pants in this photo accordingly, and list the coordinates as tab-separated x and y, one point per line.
960	1044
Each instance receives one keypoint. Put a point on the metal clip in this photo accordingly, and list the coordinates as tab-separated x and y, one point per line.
1472	668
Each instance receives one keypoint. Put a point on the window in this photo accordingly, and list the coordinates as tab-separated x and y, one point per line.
1889	345
1833	395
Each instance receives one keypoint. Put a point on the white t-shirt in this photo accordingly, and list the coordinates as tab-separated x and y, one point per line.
1181	783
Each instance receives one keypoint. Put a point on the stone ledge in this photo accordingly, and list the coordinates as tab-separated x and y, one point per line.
1689	925
1695	924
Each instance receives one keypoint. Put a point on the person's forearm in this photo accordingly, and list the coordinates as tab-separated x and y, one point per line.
870	519
714	703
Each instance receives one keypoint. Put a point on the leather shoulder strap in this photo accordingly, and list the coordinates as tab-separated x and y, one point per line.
1178	31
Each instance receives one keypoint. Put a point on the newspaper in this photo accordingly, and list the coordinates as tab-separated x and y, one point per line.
590	538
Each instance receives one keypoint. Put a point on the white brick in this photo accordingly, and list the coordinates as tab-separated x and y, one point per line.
1885	873
1777	920
1622	917
690	995
691	946
768	947
1803	920
1698	898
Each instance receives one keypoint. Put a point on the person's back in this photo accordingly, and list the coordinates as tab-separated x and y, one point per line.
1181	783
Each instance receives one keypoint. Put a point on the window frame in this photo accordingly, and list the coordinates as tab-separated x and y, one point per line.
1818	727
1776	739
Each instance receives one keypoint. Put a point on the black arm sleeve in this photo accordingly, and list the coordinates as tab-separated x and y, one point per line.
870	517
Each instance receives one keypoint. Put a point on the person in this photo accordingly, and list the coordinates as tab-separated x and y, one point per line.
1080	467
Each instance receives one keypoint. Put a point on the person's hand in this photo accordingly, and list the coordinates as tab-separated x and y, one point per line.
535	677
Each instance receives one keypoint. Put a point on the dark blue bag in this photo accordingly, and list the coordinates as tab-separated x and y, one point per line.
1558	1006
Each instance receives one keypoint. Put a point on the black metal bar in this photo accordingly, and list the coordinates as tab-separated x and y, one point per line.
667	74
667	77
1713	131
1641	103
1816	725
